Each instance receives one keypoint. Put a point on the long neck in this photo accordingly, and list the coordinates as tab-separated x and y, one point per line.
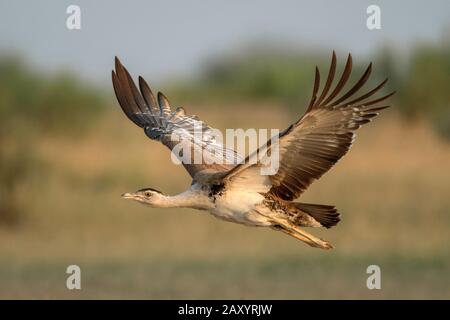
187	199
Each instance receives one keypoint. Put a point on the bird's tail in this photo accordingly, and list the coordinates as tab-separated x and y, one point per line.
326	215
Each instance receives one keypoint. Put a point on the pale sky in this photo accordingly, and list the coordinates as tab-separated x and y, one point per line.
170	38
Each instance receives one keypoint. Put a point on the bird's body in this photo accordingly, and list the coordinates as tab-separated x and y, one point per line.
249	208
240	207
235	190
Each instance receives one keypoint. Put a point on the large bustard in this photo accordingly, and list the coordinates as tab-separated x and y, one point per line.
235	189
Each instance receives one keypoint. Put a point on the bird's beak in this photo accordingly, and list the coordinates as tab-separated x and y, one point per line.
128	195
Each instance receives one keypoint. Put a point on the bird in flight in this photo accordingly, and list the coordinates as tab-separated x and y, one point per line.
235	190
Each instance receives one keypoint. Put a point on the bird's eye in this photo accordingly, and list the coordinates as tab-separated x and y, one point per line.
148	193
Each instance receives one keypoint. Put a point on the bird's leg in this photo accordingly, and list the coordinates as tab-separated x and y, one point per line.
304	236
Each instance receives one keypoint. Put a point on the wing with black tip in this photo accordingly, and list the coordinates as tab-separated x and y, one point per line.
174	128
312	145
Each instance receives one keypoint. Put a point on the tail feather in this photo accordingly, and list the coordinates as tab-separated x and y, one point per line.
326	215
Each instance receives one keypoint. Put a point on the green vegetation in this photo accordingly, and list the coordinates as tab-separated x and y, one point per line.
33	105
48	103
425	91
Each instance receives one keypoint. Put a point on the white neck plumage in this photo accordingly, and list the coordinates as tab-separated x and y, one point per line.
187	199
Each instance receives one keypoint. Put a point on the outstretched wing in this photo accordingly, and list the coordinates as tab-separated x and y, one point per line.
313	144
193	142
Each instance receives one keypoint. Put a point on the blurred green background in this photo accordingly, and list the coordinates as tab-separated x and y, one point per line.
67	152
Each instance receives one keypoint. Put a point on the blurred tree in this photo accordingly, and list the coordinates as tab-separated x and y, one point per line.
388	65
48	103
29	104
284	76
426	87
17	163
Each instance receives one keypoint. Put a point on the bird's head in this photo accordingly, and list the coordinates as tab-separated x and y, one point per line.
148	196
